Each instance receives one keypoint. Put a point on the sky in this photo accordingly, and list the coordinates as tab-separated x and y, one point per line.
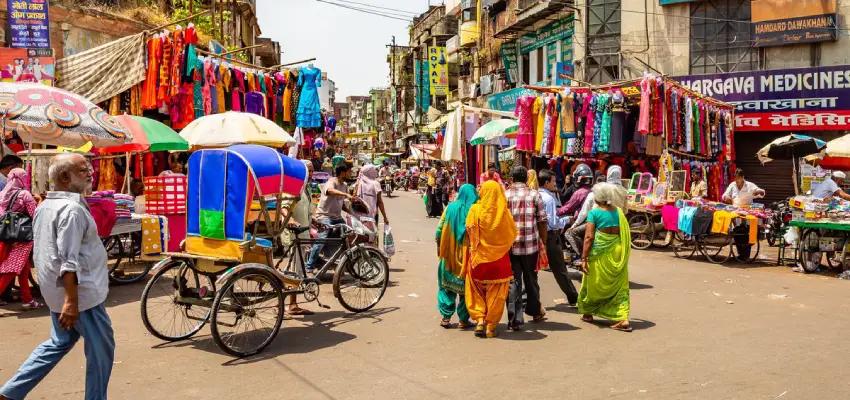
350	46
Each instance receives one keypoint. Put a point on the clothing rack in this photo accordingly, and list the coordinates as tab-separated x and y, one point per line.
692	93
208	54
242	49
682	154
293	63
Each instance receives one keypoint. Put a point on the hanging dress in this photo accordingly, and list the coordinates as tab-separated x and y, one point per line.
149	86
645	105
309	111
525	134
296	96
618	123
540	112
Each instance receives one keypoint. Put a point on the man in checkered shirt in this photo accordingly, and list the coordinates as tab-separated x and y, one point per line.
529	213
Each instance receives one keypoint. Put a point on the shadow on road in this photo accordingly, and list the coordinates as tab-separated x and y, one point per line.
639	286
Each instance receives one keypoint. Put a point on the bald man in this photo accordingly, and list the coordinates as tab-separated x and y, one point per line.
71	264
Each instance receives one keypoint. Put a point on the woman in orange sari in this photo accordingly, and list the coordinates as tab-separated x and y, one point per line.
491	231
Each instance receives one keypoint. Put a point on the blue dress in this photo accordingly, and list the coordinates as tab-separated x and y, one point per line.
309	114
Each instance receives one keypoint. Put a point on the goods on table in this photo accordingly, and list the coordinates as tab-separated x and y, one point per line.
806	208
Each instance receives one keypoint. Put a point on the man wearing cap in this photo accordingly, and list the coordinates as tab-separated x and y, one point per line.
831	187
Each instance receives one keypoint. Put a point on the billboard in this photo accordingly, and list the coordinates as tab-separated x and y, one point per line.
795	99
509	59
31	66
438	70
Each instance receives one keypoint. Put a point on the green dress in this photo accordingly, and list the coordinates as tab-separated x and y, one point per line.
605	289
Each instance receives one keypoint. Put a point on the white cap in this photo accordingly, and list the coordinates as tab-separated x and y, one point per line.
839	175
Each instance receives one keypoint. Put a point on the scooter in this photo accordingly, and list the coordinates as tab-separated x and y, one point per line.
387	185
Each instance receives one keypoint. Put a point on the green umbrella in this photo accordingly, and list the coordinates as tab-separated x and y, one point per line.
148	135
494	129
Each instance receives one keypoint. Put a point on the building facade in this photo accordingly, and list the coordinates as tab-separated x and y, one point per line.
327	93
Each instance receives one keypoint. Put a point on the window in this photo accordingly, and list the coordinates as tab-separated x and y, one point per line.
603	41
526	68
719	44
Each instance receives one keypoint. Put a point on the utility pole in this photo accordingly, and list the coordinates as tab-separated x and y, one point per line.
395	88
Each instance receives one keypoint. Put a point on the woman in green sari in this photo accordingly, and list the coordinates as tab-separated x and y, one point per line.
605	287
452	245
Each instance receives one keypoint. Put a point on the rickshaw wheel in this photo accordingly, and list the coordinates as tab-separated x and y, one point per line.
643	233
163	314
717	249
127	249
247	313
361	282
810	254
683	247
754	253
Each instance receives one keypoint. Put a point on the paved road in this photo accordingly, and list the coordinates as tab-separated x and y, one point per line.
702	332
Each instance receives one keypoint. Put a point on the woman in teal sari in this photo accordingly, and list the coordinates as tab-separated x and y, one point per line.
452	245
605	287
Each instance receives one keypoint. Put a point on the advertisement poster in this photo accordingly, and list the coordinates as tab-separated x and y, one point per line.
31	66
563	73
551	60
781	100
29	23
438	71
509	59
784	22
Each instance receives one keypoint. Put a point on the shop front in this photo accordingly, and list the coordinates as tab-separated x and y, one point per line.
769	104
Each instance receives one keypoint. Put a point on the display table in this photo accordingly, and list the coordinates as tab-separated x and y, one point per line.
830	225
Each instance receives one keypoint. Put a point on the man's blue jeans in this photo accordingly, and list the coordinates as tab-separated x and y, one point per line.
95	327
317	248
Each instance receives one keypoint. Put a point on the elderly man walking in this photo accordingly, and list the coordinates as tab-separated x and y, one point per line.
71	264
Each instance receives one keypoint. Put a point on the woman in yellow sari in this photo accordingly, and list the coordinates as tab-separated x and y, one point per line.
532	182
605	286
492	231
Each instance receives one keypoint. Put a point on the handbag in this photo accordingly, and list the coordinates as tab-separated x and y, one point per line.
15	226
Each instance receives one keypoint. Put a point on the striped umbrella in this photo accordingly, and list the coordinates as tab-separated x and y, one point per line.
148	135
494	129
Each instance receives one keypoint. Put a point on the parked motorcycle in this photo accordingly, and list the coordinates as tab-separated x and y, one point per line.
401	180
779	219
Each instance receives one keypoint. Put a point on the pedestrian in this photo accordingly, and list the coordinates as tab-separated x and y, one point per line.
329	212
490	175
491	231
15	256
527	210
575	235
607	247
452	246
368	189
300	218
71	264
532	180
443	187
555	224
7	164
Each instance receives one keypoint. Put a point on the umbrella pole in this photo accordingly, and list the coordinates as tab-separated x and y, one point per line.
794	175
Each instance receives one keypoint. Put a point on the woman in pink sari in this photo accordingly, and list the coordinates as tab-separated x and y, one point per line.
16	256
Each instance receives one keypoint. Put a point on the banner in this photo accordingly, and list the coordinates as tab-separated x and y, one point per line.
551	60
420	80
29	23
783	22
438	71
563	72
551	33
506	101
31	66
509	59
788	100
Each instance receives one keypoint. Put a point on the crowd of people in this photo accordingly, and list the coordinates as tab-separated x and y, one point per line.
493	240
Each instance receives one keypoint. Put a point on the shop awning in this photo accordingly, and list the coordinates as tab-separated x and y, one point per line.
107	70
434	126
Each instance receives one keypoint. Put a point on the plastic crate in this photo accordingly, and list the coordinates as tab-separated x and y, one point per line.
165	195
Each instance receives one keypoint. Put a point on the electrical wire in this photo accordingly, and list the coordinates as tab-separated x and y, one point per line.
378	7
363	10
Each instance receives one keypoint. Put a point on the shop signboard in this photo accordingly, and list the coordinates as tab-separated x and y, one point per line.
551	33
563	73
27	66
506	101
784	22
29	23
423	93
509	59
796	99
551	59
438	71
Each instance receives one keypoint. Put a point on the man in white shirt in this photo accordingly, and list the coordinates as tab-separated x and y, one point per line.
831	187
71	264
741	189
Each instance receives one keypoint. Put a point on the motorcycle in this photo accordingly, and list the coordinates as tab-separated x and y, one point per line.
401	180
387	186
779	219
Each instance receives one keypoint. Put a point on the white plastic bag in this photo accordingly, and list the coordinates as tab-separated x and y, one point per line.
389	243
791	236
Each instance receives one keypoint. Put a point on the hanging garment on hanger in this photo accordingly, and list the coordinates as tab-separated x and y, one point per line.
645	105
524	112
589	125
618	123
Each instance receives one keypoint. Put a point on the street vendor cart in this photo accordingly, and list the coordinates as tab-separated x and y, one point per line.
226	274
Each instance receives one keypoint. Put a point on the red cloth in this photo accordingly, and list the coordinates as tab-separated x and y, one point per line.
103	212
23	283
494	271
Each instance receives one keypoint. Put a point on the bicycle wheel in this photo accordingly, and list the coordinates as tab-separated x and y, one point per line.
247	313
361	282
124	262
642	230
683	246
810	254
716	248
176	302
754	253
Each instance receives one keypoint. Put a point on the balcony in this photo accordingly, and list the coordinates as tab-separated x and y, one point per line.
527	13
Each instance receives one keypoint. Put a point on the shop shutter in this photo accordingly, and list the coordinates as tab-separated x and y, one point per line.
775	176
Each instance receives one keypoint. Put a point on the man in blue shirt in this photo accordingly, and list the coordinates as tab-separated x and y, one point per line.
554	250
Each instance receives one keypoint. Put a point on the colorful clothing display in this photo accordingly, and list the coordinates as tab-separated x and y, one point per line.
309	113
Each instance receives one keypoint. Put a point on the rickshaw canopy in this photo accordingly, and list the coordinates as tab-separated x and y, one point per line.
222	183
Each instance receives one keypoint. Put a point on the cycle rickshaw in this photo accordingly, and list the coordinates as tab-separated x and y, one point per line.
226	275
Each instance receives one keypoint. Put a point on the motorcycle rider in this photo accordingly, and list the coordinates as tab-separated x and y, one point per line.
575	234
583	178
